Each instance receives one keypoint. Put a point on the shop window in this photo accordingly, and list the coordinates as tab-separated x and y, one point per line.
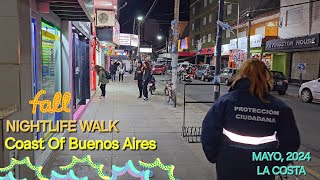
242	34
210	18
51	66
229	9
204	20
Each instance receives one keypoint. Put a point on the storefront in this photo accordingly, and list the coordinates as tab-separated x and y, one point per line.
51	68
294	53
80	64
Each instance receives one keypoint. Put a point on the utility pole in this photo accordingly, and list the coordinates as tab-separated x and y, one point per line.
249	32
174	27
216	81
139	37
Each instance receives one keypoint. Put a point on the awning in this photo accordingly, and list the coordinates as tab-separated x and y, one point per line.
71	10
186	54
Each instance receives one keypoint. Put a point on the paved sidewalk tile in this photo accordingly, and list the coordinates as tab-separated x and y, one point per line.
151	120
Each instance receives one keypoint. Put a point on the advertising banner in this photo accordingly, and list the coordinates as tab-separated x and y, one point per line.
116	33
255	41
125	39
134	40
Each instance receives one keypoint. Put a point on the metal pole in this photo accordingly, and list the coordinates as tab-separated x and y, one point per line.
166	45
238	23
134	26
175	44
216	81
139	55
249	32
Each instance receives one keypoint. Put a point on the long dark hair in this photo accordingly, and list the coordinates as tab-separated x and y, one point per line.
147	64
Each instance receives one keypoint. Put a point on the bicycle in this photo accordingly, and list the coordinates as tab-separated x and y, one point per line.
169	93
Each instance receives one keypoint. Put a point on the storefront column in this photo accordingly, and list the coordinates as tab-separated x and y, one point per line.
66	63
15	62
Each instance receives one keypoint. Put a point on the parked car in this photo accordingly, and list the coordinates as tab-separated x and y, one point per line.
159	69
228	75
280	83
310	91
200	70
206	72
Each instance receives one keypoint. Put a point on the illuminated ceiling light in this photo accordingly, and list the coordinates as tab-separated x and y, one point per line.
140	18
115	7
80	34
73	27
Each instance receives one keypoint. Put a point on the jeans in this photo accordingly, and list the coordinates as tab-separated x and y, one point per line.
145	89
113	77
103	90
140	86
121	77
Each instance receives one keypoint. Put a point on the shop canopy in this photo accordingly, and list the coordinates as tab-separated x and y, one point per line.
70	10
186	54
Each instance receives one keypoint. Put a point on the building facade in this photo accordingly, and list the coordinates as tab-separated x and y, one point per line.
299	29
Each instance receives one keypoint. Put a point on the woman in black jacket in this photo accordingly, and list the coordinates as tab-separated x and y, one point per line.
246	121
138	76
146	78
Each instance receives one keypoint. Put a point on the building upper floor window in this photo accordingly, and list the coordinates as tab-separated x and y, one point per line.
194	10
204	20
229	9
192	42
204	39
192	27
205	3
242	34
209	37
294	16
260	30
227	33
210	18
210	1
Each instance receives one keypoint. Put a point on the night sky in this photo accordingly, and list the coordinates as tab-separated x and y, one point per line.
163	12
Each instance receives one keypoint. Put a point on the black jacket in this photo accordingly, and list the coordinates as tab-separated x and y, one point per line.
146	75
138	74
225	114
113	69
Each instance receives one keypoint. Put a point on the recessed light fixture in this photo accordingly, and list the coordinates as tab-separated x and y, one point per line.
73	27
80	34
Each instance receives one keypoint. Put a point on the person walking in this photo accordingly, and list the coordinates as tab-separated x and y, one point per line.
103	80
246	121
121	70
113	71
146	78
138	76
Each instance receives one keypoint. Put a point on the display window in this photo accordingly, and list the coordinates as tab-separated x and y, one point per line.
51	67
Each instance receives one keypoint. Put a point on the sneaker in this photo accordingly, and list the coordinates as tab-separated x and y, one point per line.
145	99
102	97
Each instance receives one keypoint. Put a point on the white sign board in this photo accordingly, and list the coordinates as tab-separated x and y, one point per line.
146	50
125	39
134	40
255	41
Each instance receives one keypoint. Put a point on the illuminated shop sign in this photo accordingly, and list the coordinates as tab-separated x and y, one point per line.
293	43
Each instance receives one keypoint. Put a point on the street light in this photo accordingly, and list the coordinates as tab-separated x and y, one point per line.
238	22
159	37
139	18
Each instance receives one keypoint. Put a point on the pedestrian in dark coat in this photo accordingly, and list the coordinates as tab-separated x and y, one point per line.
146	78
138	76
245	121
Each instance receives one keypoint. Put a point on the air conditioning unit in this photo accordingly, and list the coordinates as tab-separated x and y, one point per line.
105	18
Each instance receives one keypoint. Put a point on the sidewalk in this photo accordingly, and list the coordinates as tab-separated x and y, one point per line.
149	120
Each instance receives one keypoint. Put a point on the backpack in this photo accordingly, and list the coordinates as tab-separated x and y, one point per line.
107	74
